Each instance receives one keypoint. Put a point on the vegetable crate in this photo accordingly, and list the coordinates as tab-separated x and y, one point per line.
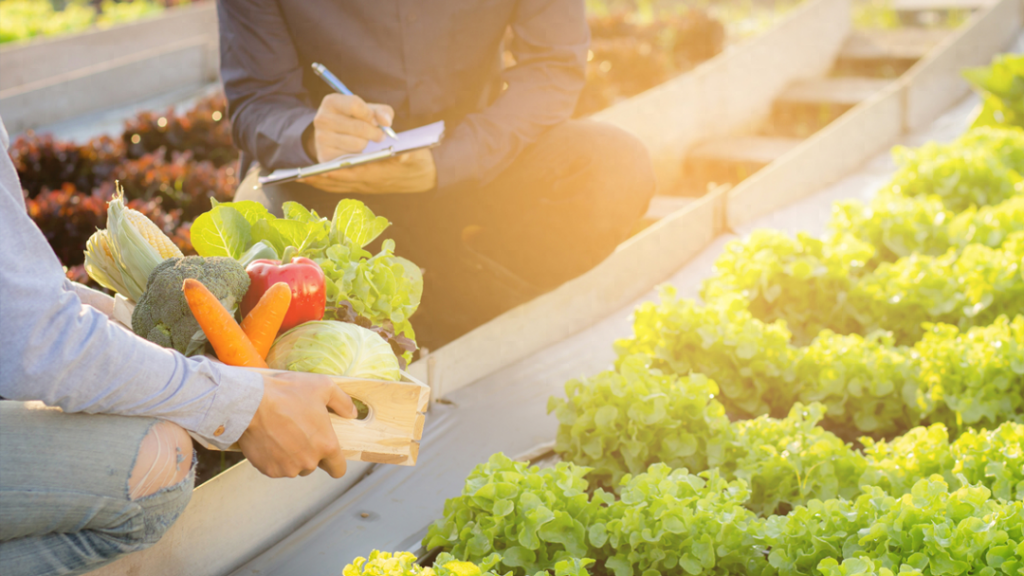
391	431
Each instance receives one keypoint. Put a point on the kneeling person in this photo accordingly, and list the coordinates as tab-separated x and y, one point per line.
95	456
515	201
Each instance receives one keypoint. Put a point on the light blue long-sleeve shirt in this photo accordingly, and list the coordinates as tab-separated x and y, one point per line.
65	353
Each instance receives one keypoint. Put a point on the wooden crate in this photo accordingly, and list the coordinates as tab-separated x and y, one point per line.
391	431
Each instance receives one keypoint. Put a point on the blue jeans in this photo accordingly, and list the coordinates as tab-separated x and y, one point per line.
64	501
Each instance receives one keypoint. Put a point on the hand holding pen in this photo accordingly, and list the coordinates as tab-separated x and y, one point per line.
339	87
345	125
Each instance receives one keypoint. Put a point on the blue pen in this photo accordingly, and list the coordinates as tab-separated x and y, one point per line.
340	87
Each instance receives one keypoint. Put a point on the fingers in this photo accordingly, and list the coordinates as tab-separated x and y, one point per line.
344	125
291	432
341	403
328	184
383	114
331	458
330	145
335	464
351	106
339	125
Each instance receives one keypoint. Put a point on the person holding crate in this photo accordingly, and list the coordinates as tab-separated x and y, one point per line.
96	460
516	200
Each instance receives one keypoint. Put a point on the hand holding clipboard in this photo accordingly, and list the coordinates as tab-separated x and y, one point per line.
418	138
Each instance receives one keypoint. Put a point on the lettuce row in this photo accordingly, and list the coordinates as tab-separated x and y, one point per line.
802	280
751	361
668	521
994	459
930	531
792	461
963	288
983	167
815	285
883	266
1001	85
785	462
897	226
672	522
961	378
404	564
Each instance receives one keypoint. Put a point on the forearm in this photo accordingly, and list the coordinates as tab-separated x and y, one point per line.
55	349
271	130
267	103
74	357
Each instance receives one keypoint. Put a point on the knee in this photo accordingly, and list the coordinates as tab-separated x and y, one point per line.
164	460
160	485
620	168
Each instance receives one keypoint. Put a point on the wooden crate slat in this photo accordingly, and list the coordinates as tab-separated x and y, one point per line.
901	43
844	90
132	78
39	59
823	158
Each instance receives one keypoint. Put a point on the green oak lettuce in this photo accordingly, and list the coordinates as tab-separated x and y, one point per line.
932	530
802	280
751	361
672	522
789	462
982	167
533	518
623	421
1001	85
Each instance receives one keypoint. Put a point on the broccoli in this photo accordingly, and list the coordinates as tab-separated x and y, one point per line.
162	315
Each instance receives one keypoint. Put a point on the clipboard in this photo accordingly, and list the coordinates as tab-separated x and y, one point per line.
426	136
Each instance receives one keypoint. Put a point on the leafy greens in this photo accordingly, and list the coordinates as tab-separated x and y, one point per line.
376	291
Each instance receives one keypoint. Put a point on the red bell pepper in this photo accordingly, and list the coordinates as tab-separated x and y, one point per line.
302	275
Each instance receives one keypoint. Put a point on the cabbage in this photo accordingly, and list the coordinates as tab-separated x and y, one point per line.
335	348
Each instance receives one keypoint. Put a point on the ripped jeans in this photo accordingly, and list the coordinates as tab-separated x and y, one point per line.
67	505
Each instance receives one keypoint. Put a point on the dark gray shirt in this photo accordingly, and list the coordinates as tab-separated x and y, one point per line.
429	59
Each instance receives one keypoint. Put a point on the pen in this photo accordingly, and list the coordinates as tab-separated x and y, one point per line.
339	86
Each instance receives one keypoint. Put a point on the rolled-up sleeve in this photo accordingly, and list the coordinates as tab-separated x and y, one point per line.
268	106
550	49
55	349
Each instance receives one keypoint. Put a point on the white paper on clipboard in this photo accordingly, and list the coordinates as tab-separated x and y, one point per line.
423	137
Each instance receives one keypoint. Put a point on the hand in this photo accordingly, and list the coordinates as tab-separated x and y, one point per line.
345	125
291	432
407	173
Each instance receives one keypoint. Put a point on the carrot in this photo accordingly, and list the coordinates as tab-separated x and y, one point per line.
263	322
229	341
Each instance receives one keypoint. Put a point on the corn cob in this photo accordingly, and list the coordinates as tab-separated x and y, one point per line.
122	256
152	234
100	262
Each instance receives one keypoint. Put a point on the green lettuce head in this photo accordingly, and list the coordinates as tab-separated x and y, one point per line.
334	348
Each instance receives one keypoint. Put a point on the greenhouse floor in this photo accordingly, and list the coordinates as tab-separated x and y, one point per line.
391	508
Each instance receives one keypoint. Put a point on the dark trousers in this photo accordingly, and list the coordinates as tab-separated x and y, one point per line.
559	209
